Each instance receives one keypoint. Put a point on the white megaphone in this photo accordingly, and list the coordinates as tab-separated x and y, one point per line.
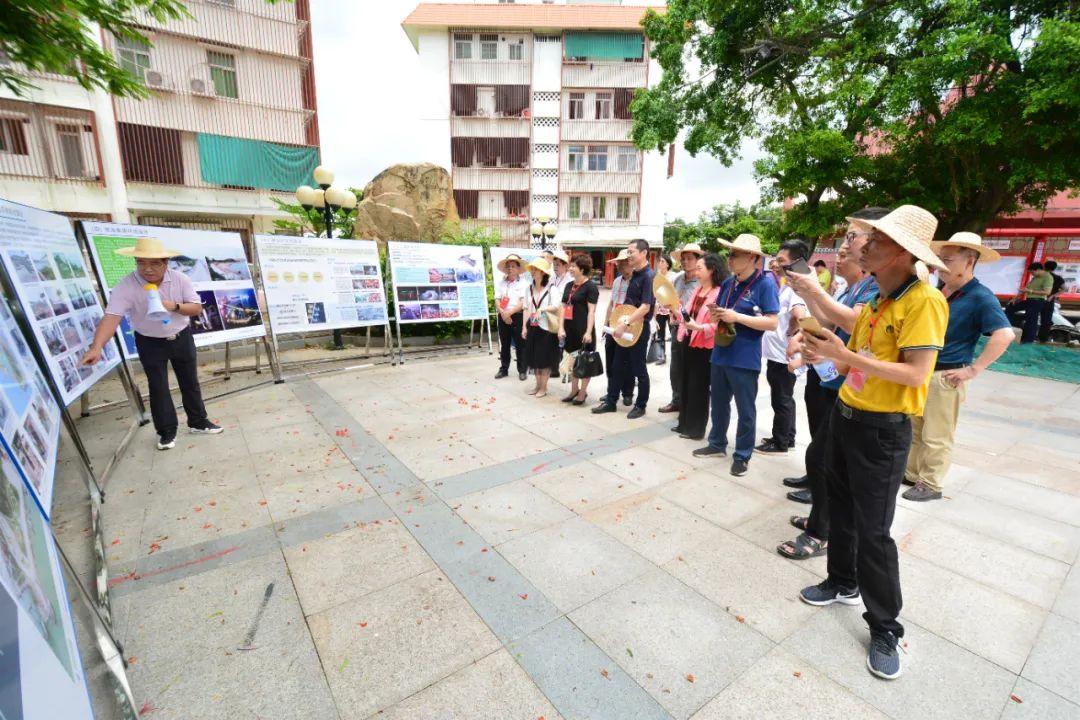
154	308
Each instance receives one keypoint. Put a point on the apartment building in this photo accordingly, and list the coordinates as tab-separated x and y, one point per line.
230	123
534	101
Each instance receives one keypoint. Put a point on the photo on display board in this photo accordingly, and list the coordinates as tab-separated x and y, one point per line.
70	332
57	300
42	266
430	312
54	339
194	268
27	569
316	313
31	462
69	267
441	275
10	669
363	270
209	319
469	275
371	312
24	267
228	269
428	294
69	374
409	312
408	294
448	293
449	312
75	296
39	304
238	308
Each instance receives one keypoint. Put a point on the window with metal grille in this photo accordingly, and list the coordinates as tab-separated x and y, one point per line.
577	106
622	208
599	207
573	207
575	158
627	159
134	56
517	51
603	106
598	158
223	73
489	47
462	46
69	140
13	137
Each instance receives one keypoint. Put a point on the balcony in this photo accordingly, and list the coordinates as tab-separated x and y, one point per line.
486	126
274	29
604	74
490	72
592	130
42	142
491	178
623	183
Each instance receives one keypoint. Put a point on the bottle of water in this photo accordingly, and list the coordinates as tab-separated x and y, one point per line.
826	370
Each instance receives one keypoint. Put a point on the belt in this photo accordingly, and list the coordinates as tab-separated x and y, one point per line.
167	339
878	419
950	366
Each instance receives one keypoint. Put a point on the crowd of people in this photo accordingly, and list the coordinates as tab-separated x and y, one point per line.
886	357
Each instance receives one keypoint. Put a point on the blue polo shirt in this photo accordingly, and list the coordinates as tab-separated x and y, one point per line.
861	293
755	296
639	291
973	312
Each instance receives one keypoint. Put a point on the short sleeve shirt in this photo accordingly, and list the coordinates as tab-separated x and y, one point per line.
913	317
860	293
757	295
1043	283
685	288
509	293
639	290
973	312
774	343
128	298
618	291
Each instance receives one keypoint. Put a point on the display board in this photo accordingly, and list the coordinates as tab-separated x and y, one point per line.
498	254
54	288
41	673
1004	276
1069	270
321	284
29	415
213	261
435	282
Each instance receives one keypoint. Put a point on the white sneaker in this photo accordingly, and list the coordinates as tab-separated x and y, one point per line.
164	443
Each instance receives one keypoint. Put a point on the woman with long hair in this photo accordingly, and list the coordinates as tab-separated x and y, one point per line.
694	408
578	319
539	329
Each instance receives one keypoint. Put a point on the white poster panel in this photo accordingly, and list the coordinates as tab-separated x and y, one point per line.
213	261
321	284
41	673
498	254
435	282
53	286
29	415
1002	277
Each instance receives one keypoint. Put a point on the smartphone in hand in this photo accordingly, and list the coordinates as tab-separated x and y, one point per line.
812	326
799	267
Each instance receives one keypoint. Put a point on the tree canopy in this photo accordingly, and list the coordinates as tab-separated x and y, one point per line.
969	108
725	222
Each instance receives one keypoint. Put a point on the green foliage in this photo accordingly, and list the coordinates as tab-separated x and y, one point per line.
725	222
310	223
970	108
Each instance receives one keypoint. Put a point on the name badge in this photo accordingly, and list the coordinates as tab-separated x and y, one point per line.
856	378
568	312
504	302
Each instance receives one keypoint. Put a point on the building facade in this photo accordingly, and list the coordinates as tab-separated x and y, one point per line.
231	122
533	99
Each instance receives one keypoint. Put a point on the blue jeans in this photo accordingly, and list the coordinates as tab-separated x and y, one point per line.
728	382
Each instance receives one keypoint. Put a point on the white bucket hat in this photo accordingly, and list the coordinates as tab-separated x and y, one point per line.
910	227
970	241
745	243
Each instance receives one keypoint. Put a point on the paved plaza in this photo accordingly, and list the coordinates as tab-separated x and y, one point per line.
426	542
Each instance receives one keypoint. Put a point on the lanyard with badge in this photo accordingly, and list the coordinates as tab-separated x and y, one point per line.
856	378
568	307
725	332
534	316
504	301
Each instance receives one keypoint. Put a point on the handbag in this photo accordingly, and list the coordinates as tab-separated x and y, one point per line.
588	364
656	350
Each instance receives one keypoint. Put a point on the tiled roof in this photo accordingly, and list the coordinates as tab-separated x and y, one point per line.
511	16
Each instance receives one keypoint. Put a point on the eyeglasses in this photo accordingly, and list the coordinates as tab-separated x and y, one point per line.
852	234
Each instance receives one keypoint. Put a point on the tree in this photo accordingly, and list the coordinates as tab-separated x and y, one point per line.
970	108
310	222
726	222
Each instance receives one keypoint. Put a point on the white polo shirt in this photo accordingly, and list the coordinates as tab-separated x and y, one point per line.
775	342
513	292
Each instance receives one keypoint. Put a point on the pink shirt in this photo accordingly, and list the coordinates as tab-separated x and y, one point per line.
702	339
129	298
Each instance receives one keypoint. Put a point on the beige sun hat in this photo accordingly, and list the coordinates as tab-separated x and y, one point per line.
623	255
540	264
560	254
910	227
512	257
692	248
970	241
745	243
148	248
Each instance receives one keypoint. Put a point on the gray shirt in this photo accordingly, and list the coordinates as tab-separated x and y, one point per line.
684	288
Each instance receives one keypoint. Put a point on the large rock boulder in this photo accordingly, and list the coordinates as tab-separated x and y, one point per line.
411	202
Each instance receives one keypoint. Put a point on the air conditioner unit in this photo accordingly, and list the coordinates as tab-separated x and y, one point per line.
156	80
199	86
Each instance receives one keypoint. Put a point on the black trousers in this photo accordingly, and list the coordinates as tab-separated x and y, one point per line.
1046	320
694	409
866	466
819	405
627	380
510	335
628	365
155	354
661	327
782	395
676	361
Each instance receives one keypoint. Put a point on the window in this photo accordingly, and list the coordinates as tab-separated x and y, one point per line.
575	158
622	208
71	153
598	158
12	137
462	46
573	207
627	159
223	73
577	106
599	207
517	52
134	56
603	106
489	47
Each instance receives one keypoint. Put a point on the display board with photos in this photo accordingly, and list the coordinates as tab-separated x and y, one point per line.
41	673
498	254
29	415
215	263
54	288
434	282
1004	276
320	283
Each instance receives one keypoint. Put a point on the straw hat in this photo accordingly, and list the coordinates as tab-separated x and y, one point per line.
692	248
910	227
745	243
540	264
512	257
561	255
968	240
665	293
148	248
623	255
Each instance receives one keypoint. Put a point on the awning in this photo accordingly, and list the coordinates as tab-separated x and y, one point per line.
604	46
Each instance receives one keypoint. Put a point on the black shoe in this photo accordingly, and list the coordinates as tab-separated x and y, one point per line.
522	375
676	429
166	442
709	451
769	446
635	413
738	467
828	592
684	436
603	407
799	482
501	374
569	398
921	493
801	496
883	659
669	408
627	400
206	428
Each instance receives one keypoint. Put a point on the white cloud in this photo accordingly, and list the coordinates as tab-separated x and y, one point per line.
367	75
